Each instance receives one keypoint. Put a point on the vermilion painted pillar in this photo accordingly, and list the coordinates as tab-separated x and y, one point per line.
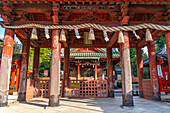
6	61
110	72
167	38
55	69
126	72
153	71
36	65
66	68
78	71
95	71
140	70
24	70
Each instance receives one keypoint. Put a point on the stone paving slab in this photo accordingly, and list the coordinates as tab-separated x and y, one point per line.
93	105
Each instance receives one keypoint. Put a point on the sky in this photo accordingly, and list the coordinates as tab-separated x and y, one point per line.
2	31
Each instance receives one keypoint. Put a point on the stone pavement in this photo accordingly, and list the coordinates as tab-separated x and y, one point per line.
93	105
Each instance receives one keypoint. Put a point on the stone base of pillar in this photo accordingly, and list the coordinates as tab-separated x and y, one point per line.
22	96
141	94
111	93
128	99
53	101
156	96
3	100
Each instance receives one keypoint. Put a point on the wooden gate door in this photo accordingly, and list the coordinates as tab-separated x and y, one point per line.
88	89
14	79
165	81
44	87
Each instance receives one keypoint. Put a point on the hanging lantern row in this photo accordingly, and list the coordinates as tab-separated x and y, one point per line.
91	35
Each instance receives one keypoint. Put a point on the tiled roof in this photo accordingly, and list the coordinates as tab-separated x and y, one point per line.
161	54
115	53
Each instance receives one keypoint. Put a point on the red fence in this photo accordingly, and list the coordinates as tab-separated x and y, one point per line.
88	89
147	88
14	78
164	82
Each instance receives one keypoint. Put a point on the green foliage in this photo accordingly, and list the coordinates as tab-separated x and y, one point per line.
146	73
133	61
45	61
119	84
16	50
160	42
31	58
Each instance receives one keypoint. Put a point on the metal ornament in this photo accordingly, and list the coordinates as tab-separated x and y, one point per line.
91	34
62	36
148	35
34	34
121	37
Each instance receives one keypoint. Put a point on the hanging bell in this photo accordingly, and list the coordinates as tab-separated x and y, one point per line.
121	37
34	34
62	36
91	34
148	35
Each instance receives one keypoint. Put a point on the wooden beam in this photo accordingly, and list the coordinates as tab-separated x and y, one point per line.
113	39
110	72
153	71
65	44
24	71
6	61
167	39
127	95
29	22
155	35
55	69
21	33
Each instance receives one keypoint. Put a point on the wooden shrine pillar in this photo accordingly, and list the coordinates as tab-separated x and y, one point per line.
6	61
126	72
153	71
95	71
140	70
36	65
55	69
167	38
66	68
78	71
110	72
24	70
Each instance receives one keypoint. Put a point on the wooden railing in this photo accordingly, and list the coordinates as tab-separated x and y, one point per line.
88	89
164	82
43	87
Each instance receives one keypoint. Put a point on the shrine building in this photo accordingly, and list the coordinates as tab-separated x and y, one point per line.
101	27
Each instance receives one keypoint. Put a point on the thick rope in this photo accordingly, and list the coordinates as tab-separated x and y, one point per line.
94	26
